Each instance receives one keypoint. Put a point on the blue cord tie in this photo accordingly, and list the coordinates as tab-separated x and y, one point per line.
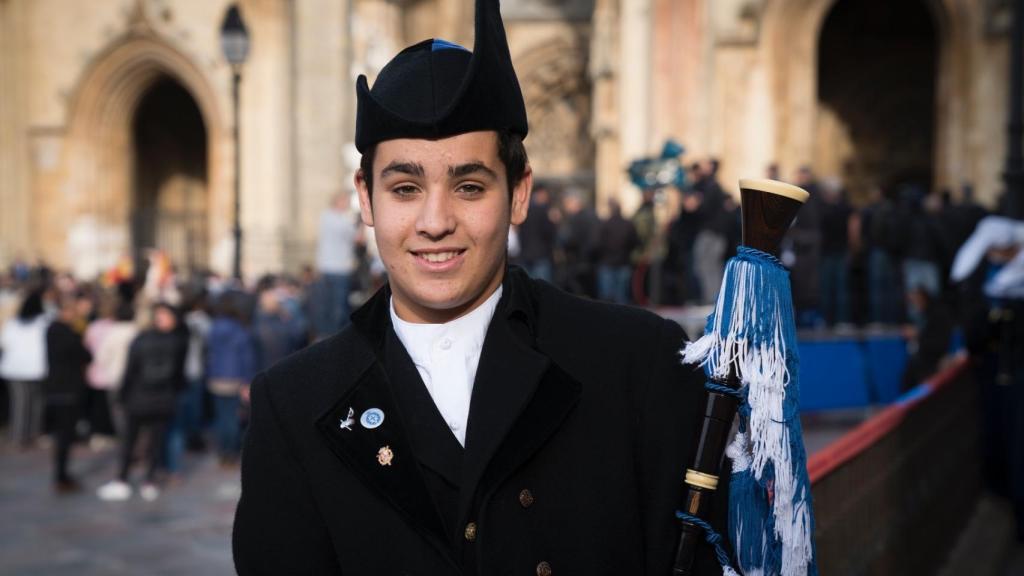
722	389
713	538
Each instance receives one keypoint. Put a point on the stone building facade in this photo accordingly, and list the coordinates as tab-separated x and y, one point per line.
869	91
116	116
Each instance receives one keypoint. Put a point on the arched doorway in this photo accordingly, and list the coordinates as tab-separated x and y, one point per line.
169	179
101	186
877	67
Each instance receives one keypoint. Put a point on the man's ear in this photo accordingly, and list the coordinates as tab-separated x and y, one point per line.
365	206
521	197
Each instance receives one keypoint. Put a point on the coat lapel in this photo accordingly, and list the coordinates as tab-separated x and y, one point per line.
553	401
381	455
435	445
519	399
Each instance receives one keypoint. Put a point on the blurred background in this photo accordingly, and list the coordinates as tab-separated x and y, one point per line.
200	153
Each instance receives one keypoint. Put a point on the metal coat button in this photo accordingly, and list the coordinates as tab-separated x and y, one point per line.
470	533
526	498
543	569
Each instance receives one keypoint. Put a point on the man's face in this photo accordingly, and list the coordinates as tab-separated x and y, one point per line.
164	319
441	214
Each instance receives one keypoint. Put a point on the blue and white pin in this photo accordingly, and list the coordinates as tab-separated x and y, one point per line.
372	418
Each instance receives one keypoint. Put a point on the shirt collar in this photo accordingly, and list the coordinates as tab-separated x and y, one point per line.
466	332
372	319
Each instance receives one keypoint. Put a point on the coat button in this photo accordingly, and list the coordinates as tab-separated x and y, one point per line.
526	498
543	569
470	533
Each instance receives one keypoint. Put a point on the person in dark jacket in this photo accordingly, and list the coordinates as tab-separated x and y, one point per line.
616	241
835	233
922	242
880	231
928	338
683	286
231	364
576	238
470	420
65	387
153	377
276	333
537	236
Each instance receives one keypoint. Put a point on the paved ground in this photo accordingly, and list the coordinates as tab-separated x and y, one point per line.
184	532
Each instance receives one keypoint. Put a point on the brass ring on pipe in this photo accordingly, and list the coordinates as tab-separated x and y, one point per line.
701	480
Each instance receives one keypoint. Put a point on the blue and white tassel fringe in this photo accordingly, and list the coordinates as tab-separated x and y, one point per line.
752	331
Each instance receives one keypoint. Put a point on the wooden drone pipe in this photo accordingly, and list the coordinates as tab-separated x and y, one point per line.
768	209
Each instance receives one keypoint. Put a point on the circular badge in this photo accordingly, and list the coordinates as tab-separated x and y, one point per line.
372	418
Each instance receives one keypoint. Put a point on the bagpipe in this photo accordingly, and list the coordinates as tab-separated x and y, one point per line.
749	355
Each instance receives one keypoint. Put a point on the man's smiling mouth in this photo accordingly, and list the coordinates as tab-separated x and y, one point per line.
438	257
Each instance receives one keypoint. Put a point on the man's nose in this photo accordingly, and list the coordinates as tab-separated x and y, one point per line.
436	218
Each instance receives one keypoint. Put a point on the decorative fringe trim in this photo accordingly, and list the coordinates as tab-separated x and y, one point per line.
752	333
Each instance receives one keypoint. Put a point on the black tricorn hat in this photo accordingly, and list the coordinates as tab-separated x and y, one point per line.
436	89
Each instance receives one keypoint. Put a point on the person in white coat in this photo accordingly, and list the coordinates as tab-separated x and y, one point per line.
23	366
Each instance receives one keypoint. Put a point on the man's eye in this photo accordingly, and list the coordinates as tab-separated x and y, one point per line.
470	189
404	190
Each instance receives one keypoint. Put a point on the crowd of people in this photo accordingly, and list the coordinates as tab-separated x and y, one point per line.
161	367
851	265
170	361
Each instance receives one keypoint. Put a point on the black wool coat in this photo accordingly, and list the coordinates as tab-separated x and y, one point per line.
67	358
582	423
154	373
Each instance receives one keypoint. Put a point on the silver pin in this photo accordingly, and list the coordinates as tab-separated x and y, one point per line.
347	423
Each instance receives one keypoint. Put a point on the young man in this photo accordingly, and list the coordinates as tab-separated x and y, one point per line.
471	420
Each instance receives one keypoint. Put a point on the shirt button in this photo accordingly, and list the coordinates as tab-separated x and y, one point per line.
453	425
470	533
526	498
446	344
543	569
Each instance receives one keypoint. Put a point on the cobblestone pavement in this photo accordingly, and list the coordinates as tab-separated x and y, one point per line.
186	531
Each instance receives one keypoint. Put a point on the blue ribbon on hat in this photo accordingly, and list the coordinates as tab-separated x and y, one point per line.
440	44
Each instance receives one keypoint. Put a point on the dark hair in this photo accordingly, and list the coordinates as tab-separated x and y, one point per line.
233	304
165	305
32	306
125	312
511	152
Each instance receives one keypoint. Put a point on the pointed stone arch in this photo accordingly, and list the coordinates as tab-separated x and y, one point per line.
94	183
790	36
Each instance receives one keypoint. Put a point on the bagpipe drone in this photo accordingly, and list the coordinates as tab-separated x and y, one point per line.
748	352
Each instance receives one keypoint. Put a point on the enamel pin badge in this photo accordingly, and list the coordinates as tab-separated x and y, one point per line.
372	418
346	424
385	456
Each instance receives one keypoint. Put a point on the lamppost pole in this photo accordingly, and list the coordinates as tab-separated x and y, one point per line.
1013	175
236	270
234	41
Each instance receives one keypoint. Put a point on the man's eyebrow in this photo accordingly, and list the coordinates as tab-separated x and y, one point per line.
410	168
470	168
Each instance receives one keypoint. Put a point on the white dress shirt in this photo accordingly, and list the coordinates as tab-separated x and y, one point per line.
446	356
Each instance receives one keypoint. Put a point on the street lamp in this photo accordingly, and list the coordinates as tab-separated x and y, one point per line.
234	41
1013	173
